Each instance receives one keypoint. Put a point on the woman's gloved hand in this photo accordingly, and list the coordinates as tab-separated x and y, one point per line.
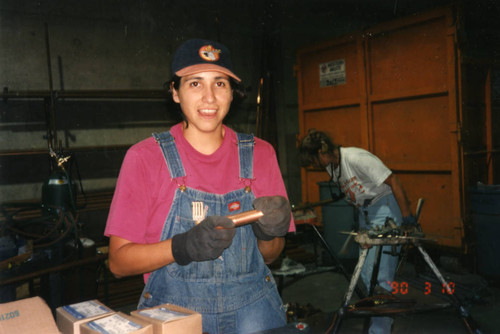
204	241
410	220
276	219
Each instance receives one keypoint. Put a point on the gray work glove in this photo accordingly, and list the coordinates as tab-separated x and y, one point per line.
276	219
204	241
410	220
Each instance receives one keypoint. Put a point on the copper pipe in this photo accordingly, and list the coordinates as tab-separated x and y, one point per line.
244	218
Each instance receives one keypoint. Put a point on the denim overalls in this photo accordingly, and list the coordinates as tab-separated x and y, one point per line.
235	293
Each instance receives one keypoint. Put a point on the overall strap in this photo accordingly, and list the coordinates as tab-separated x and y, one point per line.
246	143
171	154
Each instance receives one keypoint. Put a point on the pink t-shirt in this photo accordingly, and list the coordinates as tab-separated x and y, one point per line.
145	190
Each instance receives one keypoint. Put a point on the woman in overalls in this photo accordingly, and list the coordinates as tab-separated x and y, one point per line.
201	261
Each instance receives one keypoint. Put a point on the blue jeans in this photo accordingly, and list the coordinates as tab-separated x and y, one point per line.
377	213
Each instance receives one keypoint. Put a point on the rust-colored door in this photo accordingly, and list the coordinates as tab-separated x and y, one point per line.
392	89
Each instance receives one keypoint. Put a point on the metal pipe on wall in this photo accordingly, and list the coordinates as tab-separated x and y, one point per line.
51	130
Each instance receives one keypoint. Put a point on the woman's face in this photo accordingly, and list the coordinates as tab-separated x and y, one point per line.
324	159
205	99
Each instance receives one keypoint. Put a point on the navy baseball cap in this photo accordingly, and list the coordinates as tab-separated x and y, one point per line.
199	55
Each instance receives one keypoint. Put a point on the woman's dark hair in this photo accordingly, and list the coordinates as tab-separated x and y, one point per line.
238	94
313	143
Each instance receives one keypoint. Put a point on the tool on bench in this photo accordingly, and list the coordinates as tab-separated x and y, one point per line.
390	234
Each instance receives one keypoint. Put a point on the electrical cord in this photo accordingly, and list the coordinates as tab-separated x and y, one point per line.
44	231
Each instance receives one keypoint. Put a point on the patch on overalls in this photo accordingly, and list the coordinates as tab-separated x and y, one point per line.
234	206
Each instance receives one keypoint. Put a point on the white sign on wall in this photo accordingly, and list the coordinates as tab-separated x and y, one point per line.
332	73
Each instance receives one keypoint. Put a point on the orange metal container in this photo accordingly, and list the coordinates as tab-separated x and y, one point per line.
397	89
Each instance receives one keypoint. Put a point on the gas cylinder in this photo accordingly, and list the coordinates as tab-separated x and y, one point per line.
58	192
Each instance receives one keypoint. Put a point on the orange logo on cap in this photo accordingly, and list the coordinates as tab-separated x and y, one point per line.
209	53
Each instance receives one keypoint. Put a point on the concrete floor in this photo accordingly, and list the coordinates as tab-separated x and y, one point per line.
324	292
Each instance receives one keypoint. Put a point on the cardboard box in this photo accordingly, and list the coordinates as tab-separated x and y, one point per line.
117	323
26	316
171	319
69	317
